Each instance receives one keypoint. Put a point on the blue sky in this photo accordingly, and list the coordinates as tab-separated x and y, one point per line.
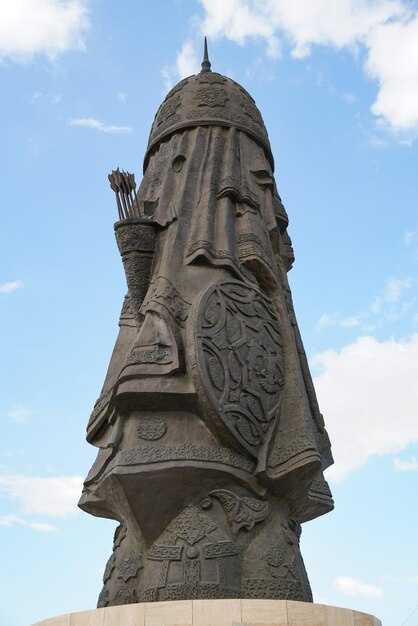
336	82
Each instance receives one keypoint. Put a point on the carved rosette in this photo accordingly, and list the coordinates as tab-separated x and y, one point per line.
238	361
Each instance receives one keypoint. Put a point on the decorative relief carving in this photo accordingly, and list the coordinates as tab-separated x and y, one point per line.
161	553
192	452
220	549
165	123
126	307
210	97
168	110
163	292
250	109
243	193
212	78
100	404
124	596
135	237
268	589
191	525
151	428
129	566
177	88
303	441
143	354
207	245
148	595
137	268
241	512
191	578
240	356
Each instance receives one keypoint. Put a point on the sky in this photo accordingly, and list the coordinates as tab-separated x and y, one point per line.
337	84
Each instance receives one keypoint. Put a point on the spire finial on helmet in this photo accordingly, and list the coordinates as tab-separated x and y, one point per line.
206	65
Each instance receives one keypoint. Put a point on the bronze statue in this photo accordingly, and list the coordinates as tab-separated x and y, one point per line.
211	443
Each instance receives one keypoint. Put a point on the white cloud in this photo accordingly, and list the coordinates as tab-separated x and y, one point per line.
49	27
122	96
55	496
12	286
18	413
385	308
393	61
354	587
187	62
90	122
40	527
368	393
239	19
406	466
386	30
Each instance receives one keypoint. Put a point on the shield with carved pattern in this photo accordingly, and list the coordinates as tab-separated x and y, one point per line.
237	362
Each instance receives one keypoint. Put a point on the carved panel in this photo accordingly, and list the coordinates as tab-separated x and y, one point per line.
191	525
212	78
153	354
269	589
189	452
241	512
240	360
129	566
161	553
168	109
210	97
151	428
220	549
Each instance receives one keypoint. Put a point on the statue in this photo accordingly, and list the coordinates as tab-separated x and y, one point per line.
211	442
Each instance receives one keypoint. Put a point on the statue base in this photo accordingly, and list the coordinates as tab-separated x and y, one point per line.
216	613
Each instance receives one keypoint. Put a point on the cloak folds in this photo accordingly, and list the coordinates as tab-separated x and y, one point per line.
211	317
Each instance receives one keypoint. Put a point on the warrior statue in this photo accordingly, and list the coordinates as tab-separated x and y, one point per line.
211	442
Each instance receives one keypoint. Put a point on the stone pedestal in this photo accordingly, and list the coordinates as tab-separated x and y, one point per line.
216	613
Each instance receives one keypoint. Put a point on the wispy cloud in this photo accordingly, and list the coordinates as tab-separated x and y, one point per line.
122	96
187	63
387	307
406	466
410	237
334	319
40	527
53	98
19	413
354	587
47	27
368	394
91	122
9	287
56	496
